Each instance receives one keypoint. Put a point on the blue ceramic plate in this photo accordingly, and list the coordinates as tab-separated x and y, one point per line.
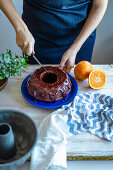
49	105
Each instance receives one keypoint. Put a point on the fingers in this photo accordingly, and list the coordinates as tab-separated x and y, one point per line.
67	69
28	48
68	66
62	63
25	41
67	62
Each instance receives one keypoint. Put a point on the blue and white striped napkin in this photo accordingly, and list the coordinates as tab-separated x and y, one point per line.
88	112
93	113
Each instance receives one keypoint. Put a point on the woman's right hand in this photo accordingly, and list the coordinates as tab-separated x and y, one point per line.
25	40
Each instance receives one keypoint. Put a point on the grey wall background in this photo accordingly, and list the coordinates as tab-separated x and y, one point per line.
103	50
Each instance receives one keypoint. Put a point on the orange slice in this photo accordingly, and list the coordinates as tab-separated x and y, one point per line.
97	79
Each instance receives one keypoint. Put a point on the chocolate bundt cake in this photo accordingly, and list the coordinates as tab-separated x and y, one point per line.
49	86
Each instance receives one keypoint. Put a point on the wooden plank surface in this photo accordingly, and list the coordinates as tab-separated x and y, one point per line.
84	144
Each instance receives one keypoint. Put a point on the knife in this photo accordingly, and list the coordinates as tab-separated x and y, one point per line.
39	63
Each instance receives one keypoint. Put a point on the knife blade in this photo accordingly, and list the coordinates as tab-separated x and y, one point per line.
39	63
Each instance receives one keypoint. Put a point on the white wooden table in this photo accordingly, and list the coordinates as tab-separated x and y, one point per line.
82	145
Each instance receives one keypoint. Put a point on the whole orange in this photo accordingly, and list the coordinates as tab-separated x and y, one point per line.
82	70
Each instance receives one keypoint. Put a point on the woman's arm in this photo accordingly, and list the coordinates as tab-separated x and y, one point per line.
24	39
95	16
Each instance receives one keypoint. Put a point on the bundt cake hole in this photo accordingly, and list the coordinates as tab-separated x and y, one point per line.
49	78
4	129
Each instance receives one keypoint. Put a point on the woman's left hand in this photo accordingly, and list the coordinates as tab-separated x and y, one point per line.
68	60
95	16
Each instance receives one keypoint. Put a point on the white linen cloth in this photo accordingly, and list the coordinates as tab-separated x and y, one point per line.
50	151
88	112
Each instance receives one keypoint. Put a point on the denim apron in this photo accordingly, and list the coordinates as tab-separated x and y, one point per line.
55	24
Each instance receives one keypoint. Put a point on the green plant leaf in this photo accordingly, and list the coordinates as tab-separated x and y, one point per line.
13	60
16	56
18	71
8	64
23	61
9	52
1	58
3	71
1	64
25	56
11	65
6	58
17	64
2	77
24	66
7	73
13	73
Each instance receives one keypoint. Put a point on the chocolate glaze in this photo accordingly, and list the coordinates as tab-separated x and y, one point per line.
50	90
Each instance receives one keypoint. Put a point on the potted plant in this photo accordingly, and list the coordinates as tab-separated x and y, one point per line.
10	66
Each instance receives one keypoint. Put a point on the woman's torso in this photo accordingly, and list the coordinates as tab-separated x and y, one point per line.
55	24
58	4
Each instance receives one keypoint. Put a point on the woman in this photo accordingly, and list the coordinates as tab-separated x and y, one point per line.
64	30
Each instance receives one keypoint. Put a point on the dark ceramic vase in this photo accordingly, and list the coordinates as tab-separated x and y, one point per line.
3	83
7	142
